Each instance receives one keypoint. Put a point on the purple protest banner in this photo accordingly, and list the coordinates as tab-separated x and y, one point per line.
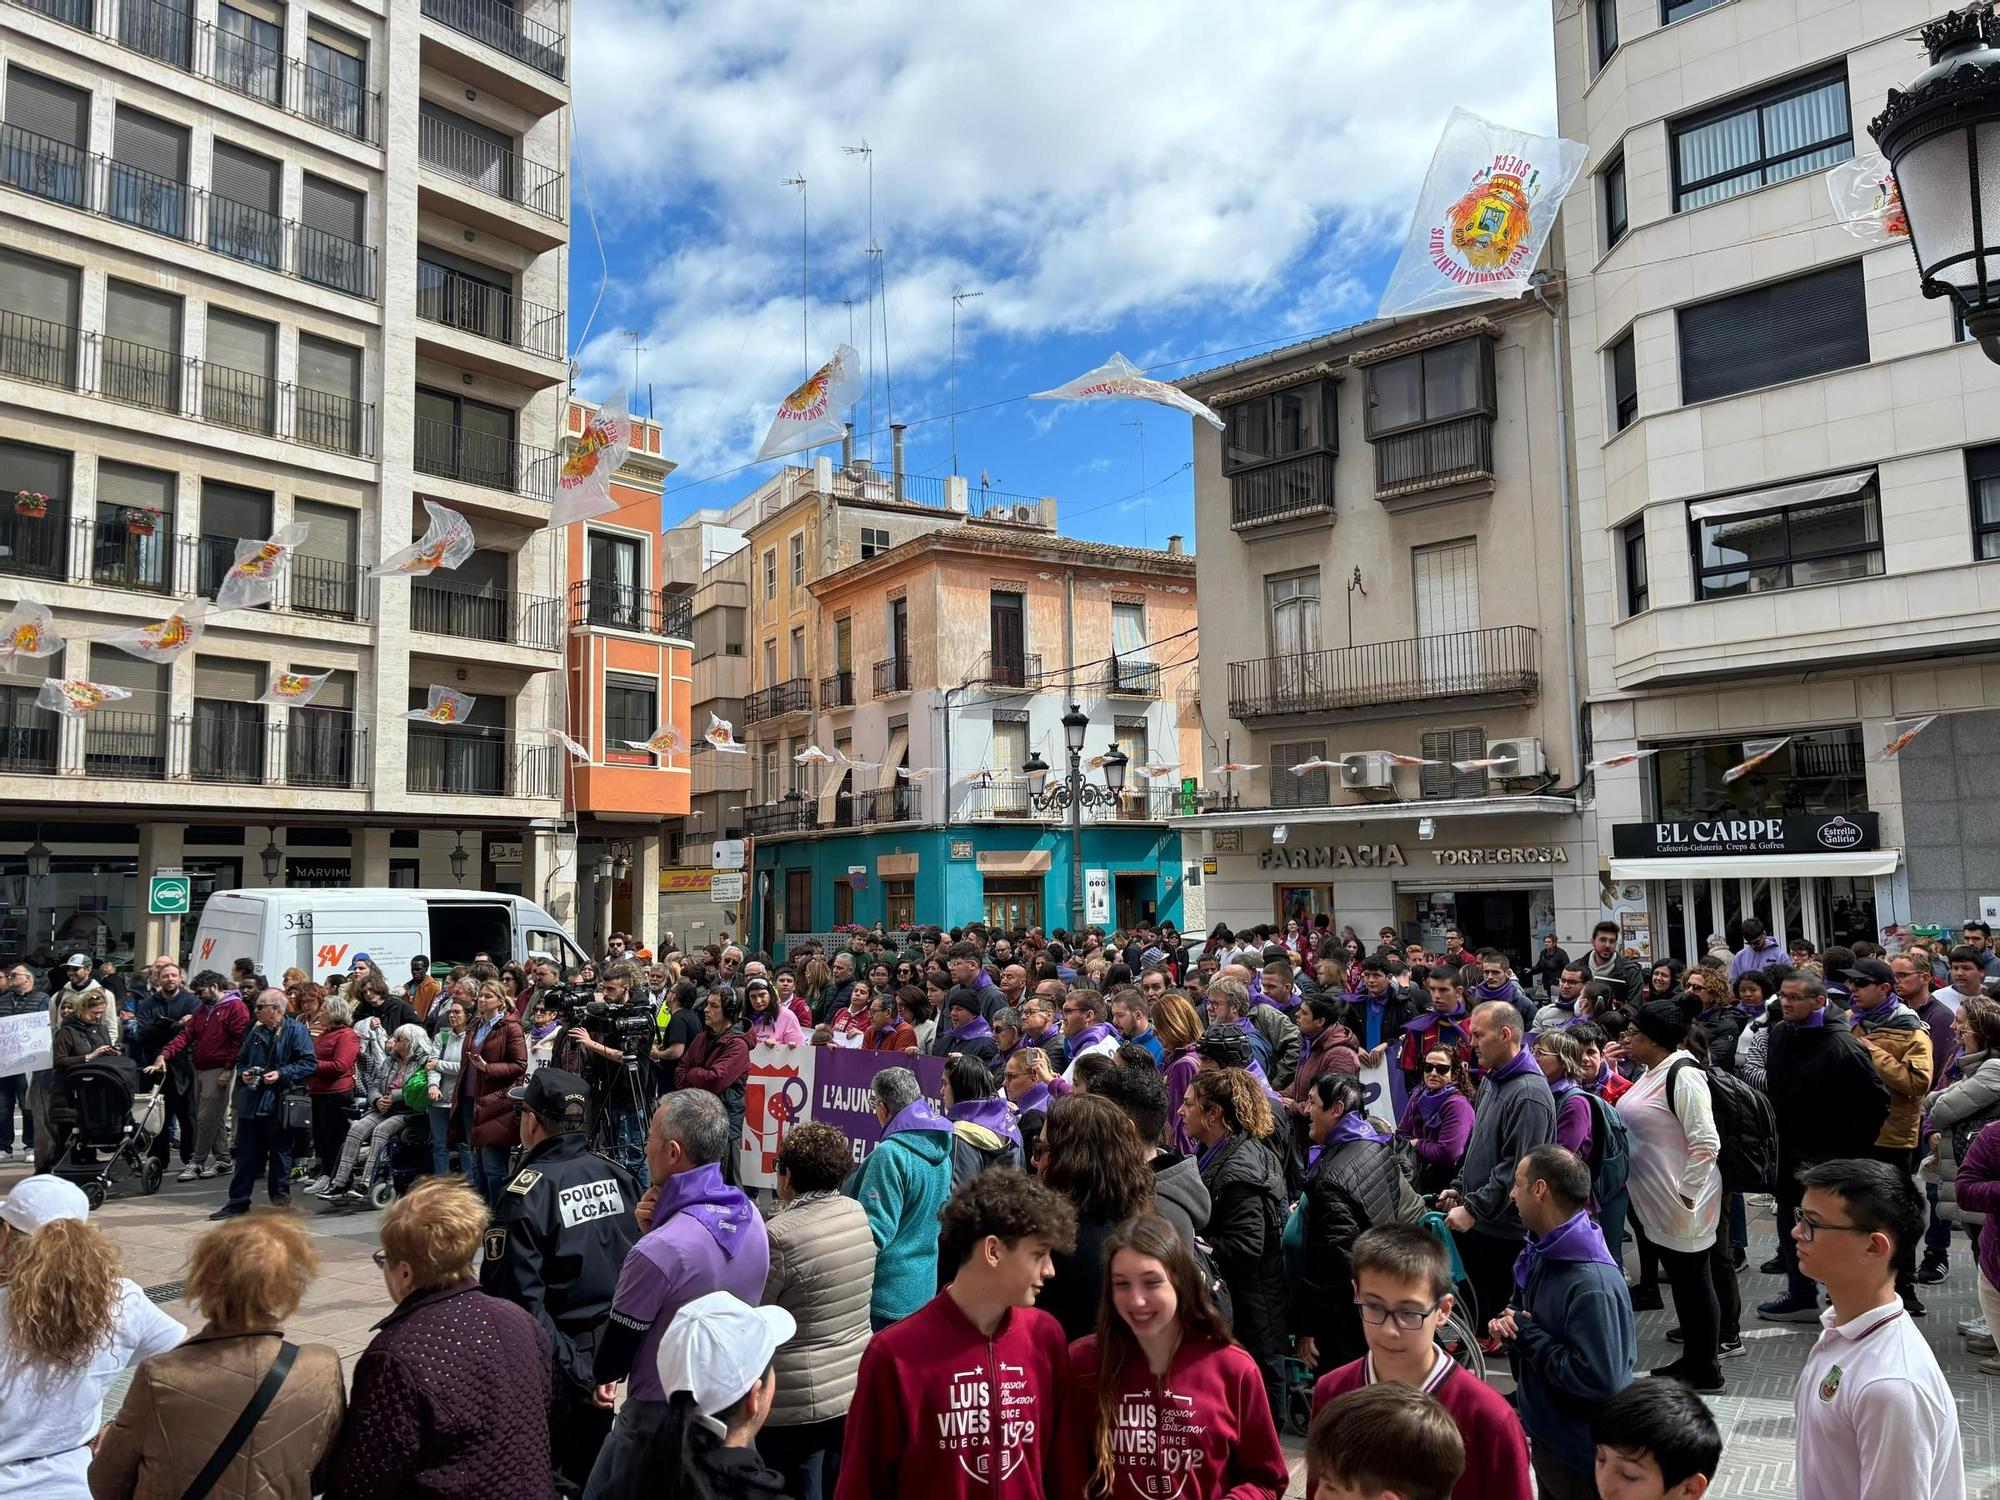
789	1085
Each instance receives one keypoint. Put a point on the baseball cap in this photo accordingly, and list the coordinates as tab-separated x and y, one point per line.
43	1199
359	958
552	1093
1869	971
1226	1046
718	1346
78	961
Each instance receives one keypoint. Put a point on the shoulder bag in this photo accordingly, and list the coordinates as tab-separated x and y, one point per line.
232	1444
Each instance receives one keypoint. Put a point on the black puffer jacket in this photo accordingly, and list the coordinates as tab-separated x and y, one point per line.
1724	1025
1246	1224
1351	1187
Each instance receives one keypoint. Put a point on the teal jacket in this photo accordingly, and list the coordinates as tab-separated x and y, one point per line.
901	1187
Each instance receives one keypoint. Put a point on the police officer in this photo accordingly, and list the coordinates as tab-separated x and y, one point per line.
559	1236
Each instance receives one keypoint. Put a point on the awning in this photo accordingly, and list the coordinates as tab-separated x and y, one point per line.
1788	494
895	755
1736	866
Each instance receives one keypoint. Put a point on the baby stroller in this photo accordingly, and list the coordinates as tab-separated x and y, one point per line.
112	1136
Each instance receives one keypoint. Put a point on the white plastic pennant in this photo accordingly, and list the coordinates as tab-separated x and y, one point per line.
557	737
922	773
861	765
722	734
1866	199
1229	766
253	578
665	741
812	755
444	706
29	630
1156	770
583	484
295	689
1624	758
1487	206
72	697
1311	764
446	543
1760	751
1118	379
1485	763
163	640
811	415
1397	758
984	776
1900	740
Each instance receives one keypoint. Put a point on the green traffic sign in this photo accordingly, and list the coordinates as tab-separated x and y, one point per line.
167	896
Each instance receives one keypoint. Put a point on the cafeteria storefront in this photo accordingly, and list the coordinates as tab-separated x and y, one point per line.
1677	882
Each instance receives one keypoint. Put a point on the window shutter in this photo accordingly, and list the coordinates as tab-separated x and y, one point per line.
143	316
48	108
330	533
245	177
232	511
1310	790
1771	334
35	288
336	694
43	470
145	680
227	679
1437	780
1467	744
150	144
237	343
330	368
333	209
124	485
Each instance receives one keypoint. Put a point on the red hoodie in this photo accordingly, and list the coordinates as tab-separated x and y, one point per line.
215	1032
1203	1433
927	1424
1496	1449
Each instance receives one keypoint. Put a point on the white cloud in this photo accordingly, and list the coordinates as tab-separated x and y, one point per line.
1083	166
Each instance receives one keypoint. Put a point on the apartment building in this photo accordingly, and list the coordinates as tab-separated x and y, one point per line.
1788	478
1386	513
270	264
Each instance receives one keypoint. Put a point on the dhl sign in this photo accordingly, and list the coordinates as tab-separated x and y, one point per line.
685	882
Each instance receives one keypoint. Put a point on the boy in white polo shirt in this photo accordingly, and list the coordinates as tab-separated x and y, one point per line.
1875	1417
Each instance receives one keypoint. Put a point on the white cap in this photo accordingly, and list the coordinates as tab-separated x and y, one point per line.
718	1346
43	1199
78	961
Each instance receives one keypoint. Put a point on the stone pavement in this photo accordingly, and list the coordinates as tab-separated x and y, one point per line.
1755	1411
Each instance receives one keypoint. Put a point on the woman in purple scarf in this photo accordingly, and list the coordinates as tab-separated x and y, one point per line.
1437	1122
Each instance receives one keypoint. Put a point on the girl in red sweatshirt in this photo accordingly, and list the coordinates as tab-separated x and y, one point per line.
1161	1401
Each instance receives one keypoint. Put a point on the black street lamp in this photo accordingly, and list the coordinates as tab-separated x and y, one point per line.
459	859
1074	794
272	856
1942	138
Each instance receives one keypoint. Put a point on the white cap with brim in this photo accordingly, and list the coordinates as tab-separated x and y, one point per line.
78	961
43	1199
718	1346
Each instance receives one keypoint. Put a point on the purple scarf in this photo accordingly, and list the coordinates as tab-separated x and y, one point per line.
1431	1104
1091	1035
1603	1077
922	1115
1563	1090
1354	1126
1416	1026
1811	1023
1876	1016
1577	1240
971	1031
1037	1097
704	1197
1521	1063
995	1114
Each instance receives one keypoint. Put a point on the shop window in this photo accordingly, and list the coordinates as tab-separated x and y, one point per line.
1313	789
1445	746
1818	771
1013	902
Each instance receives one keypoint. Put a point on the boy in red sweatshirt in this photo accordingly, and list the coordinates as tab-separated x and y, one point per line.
1402	1277
959	1400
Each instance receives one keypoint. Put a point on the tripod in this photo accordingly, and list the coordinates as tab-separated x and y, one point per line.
625	1094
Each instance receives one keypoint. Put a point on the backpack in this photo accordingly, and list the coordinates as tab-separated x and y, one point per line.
1749	1129
1610	1150
1204	1263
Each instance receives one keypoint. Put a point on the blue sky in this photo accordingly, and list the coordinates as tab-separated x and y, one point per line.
1161	179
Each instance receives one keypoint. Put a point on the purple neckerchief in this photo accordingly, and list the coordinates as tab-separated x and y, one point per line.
1812	1022
1603	1077
1091	1035
1037	1097
1577	1240
1514	1068
543	1033
1418	1025
1507	990
1563	1090
712	1203
886	1030
1431	1103
922	1115
1354	1126
1041	1042
994	1114
1208	1154
971	1031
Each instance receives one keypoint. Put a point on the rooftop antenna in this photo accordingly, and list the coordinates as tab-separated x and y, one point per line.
1143	531
848	302
805	332
959	297
637	349
867	152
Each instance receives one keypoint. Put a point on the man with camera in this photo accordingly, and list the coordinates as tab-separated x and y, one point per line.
559	1236
609	1039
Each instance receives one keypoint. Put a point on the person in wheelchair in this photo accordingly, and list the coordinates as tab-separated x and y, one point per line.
389	1112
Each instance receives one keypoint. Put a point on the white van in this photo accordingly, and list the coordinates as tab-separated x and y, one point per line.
322	931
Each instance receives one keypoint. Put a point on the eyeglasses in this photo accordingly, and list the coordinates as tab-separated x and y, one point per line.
1409	1319
1809	1227
381	1259
1437	1067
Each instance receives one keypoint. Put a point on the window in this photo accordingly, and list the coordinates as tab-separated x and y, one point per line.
1605	12
798	559
332	239
874	540
38	311
1785	331
1818	532
164	30
798	900
229	513
1820	771
615	591
458	438
1772	136
1292	607
237	385
329	395
321	743
249	47
34	546
1313	789
147	182
771	663
1982	468
843	901
228	728
1613	178
47	138
798	651
463	148
631	710
1679	10
131	545
1446	579
1445	746
1433	385
243	203
1130	668
1624	384
1298	419
336	79
1007	638
770	572
1633	541
324	580
772	787
843	644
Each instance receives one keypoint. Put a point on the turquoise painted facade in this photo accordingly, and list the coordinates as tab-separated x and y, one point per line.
1143	861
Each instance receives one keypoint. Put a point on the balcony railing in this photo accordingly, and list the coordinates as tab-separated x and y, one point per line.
503	28
892	676
1427	456
323	749
781	817
625	606
110	189
484	458
31	744
335	102
477	162
474	762
836	690
319	748
1127	677
889	804
240	63
1009	800
491	312
1020	669
1301	486
793	696
229	746
38	351
1470	663
126	744
501	617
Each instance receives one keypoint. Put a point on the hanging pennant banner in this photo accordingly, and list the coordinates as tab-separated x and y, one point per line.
1158	770
446	543
1118	379
812	755
922	773
166	639
1486	209
29	630
1902	731
1611	762
583	484
1760	751
444	707
1229	766
1397	758
294	689
1487	763
1314	763
1866	199
557	737
811	414
72	697
665	742
253	578
722	735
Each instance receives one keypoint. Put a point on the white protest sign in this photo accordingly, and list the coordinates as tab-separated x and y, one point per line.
26	1044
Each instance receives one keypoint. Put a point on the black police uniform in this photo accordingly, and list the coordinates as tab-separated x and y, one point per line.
560	1233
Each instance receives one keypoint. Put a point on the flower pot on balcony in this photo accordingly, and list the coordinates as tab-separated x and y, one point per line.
31	504
140	523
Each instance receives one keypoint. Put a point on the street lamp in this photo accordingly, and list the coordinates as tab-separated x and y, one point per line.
459	858
38	858
272	856
1074	794
1942	138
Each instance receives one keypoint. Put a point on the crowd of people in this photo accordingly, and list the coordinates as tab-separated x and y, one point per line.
1173	1195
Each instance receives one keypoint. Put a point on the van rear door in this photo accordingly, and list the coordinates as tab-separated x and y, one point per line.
391	932
233	926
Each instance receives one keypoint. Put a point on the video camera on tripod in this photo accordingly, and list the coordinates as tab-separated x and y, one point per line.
628	1025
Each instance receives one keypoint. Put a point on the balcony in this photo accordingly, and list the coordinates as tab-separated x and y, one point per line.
487	459
109	189
30	741
594	602
1016	669
836	690
323	749
1498	664
1009	801
476	762
1131	678
487	312
1289	490
478	163
889	804
498	25
780	817
500	617
1427	458
129	745
793	696
892	676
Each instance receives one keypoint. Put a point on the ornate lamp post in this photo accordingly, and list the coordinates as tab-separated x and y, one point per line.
1942	138
1074	794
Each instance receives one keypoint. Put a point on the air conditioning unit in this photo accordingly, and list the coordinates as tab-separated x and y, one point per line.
1026	513
1528	760
996	513
1369	773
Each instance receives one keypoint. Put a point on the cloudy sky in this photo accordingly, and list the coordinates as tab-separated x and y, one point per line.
1173	181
